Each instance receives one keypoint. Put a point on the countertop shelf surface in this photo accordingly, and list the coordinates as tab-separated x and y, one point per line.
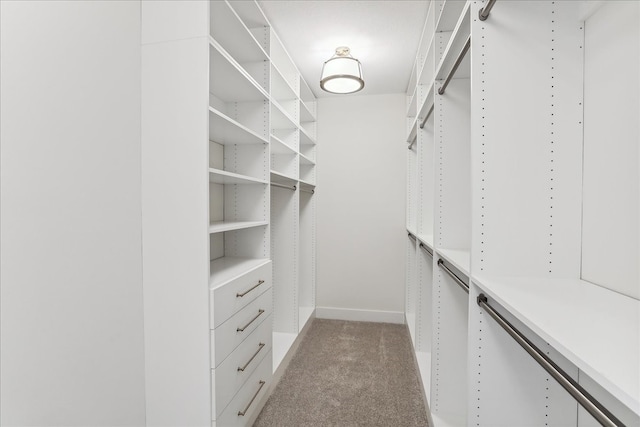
596	329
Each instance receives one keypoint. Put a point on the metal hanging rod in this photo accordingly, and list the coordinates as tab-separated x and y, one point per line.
456	279
292	187
412	237
424	248
427	116
484	12
588	402
308	191
415	139
461	55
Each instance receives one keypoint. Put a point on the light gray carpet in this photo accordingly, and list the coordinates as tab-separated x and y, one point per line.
348	374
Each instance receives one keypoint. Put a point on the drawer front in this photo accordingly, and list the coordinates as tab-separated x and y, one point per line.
226	337
248	398
227	299
233	372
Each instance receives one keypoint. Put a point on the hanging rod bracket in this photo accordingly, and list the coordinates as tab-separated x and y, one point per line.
481	299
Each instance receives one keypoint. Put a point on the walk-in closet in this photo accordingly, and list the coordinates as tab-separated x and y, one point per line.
193	193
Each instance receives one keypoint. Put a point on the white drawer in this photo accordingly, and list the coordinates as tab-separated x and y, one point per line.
232	373
248	397
232	296
226	337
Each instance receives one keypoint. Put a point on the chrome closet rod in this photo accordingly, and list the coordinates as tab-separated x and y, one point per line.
293	187
415	139
427	116
588	402
412	237
484	12
458	281
424	248
461	55
308	191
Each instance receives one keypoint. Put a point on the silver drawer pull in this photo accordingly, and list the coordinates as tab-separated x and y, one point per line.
260	282
261	345
250	321
241	413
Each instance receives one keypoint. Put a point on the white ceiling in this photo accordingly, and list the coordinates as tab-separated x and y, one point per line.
383	35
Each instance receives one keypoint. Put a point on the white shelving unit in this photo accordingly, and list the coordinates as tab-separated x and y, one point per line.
524	182
258	292
239	176
293	169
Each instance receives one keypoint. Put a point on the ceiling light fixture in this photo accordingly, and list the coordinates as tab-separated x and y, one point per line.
342	73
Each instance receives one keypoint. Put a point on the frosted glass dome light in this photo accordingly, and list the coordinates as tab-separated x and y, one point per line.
342	73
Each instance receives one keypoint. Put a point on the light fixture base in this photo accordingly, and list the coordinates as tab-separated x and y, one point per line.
343	51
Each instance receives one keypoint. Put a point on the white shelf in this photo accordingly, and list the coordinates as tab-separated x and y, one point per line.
460	258
305	138
304	160
228	29
448	17
427	239
280	119
225	130
250	13
218	176
231	82
223	270
279	178
307	185
456	42
280	87
222	226
280	147
306	115
282	61
306	94
282	342
598	330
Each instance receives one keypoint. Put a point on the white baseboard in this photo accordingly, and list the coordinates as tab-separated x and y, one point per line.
360	315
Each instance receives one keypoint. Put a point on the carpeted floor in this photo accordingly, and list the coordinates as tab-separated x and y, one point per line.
348	374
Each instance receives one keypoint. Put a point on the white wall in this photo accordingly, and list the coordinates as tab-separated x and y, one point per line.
610	173
71	271
361	206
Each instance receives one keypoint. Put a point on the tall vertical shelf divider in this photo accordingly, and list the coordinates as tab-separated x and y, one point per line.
513	175
285	197
212	334
293	203
307	208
